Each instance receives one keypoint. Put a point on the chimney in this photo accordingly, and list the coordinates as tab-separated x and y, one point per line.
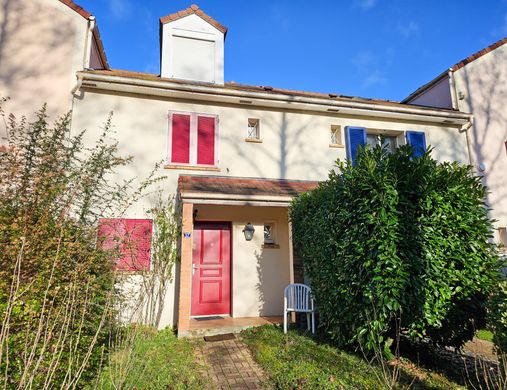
192	46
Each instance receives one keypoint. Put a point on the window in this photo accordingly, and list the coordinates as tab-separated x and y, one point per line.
269	233
388	141
253	130
335	136
193	139
130	239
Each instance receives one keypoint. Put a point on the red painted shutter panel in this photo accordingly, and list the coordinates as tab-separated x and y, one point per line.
206	140
131	238
180	141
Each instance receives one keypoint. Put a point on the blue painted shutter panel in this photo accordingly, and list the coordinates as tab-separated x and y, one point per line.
417	140
355	137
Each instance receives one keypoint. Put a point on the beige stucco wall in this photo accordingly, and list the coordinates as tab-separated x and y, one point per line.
42	45
438	95
295	146
259	274
484	85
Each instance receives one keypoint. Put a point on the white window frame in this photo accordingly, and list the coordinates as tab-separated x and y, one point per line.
193	139
335	131
258	129
397	134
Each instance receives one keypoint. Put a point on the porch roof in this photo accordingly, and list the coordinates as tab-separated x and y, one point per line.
192	187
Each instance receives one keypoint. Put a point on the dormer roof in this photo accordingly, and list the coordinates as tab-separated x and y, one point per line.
193	10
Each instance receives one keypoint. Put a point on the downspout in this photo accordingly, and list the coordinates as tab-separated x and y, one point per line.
88	42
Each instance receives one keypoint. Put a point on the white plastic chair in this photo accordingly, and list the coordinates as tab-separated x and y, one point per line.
297	298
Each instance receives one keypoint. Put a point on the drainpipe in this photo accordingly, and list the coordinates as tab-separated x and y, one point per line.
88	42
452	87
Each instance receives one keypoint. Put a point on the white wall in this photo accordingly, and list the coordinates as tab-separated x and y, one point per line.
41	47
192	49
295	146
483	83
439	95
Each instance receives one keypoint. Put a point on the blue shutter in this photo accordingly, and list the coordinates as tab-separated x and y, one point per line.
417	140
355	137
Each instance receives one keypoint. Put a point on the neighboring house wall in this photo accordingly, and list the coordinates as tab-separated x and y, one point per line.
438	95
295	145
42	45
483	86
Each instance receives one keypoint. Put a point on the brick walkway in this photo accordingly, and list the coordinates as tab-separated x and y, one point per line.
230	366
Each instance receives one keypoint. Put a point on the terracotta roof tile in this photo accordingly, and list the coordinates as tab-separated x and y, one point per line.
243	186
455	67
479	54
80	10
193	9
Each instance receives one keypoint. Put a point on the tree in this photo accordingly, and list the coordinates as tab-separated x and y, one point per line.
56	286
397	244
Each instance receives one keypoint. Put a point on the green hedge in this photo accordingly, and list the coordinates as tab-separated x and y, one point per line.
397	243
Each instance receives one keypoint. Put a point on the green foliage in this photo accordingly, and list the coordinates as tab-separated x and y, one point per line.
153	360
56	286
497	318
394	244
484	334
294	361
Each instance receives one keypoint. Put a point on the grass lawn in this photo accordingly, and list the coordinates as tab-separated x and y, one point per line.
484	334
297	361
153	360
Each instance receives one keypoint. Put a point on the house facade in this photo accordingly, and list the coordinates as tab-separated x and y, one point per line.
43	44
478	84
234	156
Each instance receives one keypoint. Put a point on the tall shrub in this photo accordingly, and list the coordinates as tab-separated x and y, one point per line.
56	286
397	243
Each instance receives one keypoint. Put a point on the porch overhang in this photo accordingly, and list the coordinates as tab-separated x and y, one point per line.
236	191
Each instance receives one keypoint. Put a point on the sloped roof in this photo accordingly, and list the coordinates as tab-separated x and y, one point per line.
80	10
244	186
193	10
96	35
478	54
261	88
455	67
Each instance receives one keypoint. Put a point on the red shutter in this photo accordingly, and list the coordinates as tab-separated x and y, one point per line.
180	141
131	238
206	140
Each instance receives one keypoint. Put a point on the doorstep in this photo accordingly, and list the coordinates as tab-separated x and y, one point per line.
215	326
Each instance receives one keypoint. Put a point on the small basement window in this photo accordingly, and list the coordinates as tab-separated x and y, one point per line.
335	136
253	130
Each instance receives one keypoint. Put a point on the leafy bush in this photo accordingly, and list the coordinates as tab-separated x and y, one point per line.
394	244
497	318
55	285
147	359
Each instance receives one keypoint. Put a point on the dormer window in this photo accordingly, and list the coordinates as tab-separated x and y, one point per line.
192	46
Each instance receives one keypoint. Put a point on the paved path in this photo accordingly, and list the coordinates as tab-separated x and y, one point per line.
231	366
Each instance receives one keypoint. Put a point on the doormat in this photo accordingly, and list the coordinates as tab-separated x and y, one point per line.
208	318
220	337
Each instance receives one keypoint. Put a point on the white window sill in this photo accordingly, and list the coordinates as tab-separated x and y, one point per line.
192	167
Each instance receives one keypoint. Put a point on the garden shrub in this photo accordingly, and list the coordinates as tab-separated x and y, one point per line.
56	286
397	244
497	318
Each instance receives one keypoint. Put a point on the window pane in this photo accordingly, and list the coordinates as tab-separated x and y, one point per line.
372	140
205	140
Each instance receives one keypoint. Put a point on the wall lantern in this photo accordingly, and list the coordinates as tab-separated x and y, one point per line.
248	231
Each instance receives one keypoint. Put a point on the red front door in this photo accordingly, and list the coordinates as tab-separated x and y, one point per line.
211	269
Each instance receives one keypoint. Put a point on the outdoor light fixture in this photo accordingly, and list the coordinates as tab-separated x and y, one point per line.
248	231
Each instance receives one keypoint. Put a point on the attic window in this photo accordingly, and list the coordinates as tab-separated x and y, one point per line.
253	130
